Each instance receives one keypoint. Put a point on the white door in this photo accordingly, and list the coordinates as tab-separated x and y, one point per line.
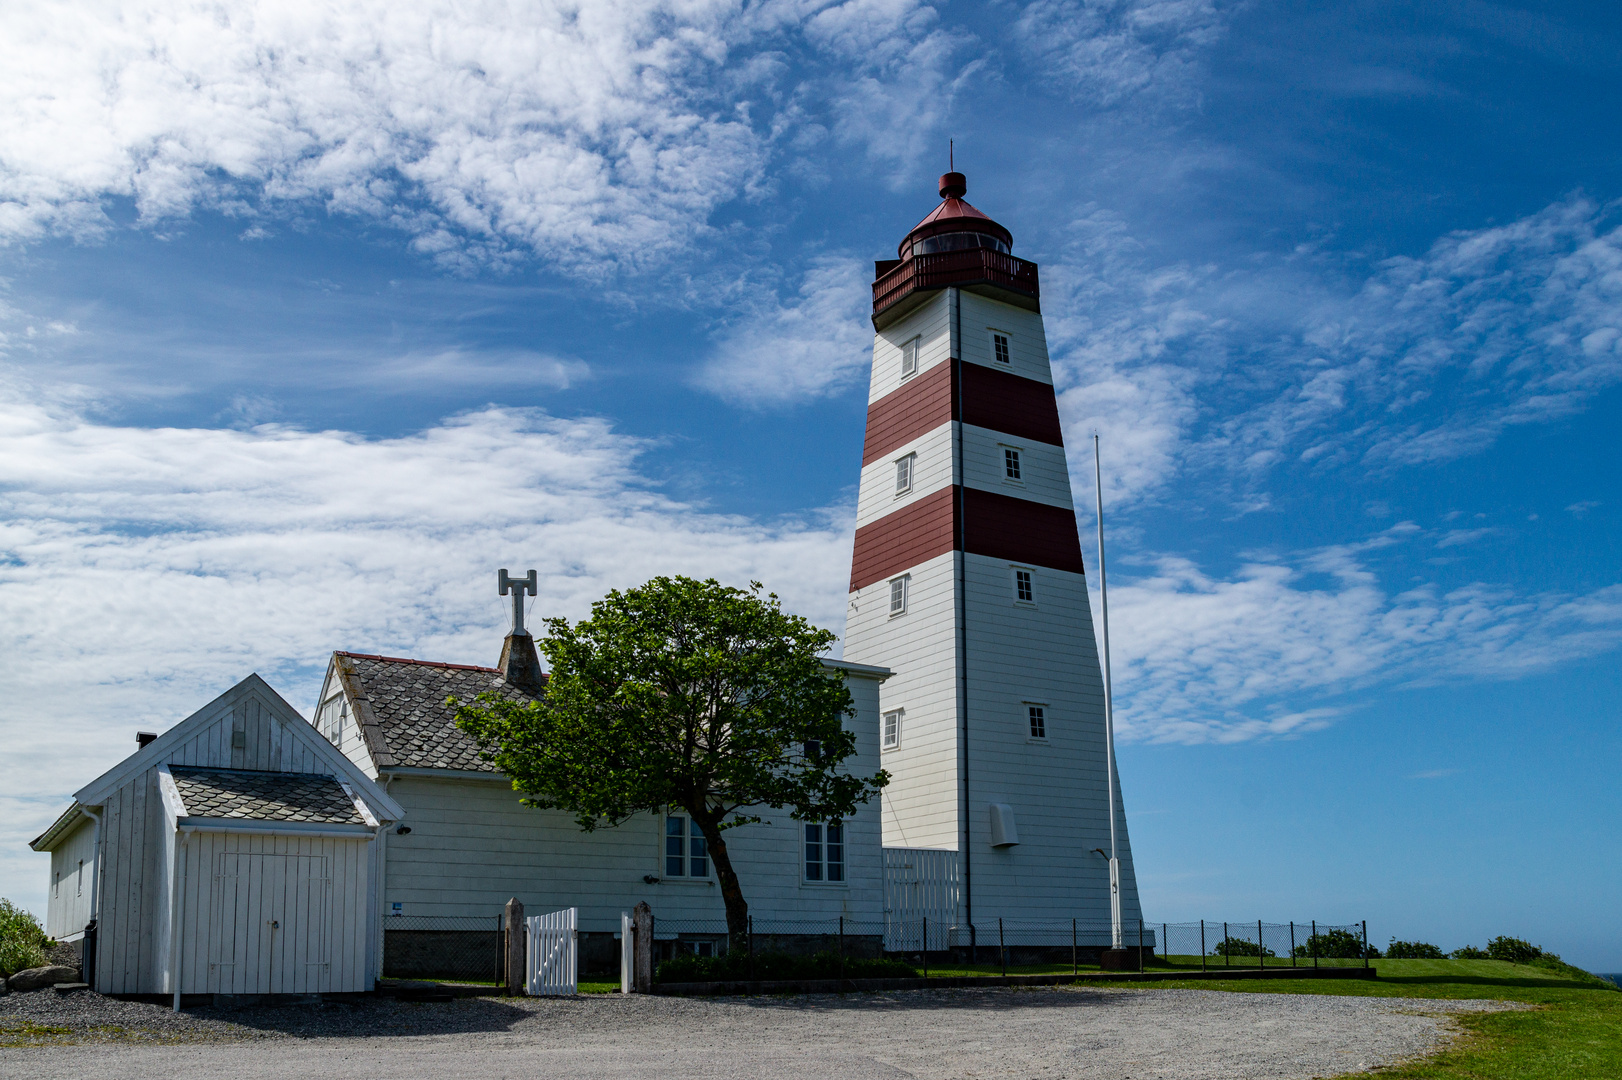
271	926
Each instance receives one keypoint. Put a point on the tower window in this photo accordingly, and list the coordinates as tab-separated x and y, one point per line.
909	358
898	595
78	884
825	852
999	346
903	474
685	852
1010	464
1039	721
1024	592
890	736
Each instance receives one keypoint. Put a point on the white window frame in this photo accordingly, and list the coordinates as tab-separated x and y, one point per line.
907	463
1013	577
1018	462
904	584
992	334
909	357
822	862
1030	734
688	835
886	742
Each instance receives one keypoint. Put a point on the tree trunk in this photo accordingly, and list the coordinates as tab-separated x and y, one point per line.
731	892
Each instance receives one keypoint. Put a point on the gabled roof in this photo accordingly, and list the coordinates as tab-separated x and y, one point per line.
160	749
400	706
263	796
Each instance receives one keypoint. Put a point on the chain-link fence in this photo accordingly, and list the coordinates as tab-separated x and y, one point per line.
1212	944
446	947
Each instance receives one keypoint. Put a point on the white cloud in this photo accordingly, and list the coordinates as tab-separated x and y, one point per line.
1207	659
1106	52
816	343
603	131
143	571
1240	371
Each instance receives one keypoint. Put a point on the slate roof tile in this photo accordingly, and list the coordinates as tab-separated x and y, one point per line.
407	698
264	796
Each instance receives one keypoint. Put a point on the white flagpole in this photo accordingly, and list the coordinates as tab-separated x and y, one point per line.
1116	939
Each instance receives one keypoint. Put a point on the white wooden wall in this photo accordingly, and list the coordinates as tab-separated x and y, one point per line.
133	891
234	884
472	846
73	866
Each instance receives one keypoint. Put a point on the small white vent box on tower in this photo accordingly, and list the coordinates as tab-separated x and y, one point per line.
1004	833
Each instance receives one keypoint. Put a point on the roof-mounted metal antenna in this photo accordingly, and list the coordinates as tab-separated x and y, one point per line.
518	586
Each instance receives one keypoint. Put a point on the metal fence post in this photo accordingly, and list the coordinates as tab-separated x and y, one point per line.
1002	948
501	945
751	948
1140	944
1202	944
1365	944
1292	942
1227	947
1075	964
841	948
1313	942
1261	950
1165	943
926	946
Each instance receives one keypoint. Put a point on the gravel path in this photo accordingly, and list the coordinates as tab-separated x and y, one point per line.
1048	1033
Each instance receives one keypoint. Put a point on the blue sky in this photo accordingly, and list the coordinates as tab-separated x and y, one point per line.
311	319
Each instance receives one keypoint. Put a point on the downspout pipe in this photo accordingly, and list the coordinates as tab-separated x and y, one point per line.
88	964
182	834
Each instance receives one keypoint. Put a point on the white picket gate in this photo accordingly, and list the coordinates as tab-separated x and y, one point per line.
552	952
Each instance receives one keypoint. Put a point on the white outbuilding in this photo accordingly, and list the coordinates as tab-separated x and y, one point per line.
236	853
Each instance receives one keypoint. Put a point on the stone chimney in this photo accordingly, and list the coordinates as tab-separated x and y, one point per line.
520	665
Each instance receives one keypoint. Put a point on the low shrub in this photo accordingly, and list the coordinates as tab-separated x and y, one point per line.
1514	950
774	966
1469	952
1335	945
22	940
1232	946
1413	950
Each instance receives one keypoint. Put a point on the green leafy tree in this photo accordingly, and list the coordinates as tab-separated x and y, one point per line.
681	695
1233	946
1335	944
1413	950
1470	952
22	940
1512	949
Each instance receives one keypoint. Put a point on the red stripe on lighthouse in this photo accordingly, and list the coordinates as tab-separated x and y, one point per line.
913	534
1009	403
921	404
1020	531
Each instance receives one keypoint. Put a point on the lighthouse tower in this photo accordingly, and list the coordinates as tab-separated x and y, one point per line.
967	581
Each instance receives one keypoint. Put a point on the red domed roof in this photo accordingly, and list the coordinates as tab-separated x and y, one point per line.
954	215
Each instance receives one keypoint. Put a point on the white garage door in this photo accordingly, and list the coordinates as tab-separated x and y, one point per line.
273	921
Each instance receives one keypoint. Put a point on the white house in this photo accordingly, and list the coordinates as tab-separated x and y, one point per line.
468	844
236	853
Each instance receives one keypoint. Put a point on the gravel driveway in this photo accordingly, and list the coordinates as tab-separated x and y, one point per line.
1048	1033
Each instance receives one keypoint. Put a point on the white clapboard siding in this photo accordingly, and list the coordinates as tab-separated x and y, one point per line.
473	845
552	953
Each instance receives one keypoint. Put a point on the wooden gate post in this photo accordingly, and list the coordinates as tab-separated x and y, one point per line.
516	980
642	957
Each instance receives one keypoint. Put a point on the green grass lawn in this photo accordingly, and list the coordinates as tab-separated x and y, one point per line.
1576	1031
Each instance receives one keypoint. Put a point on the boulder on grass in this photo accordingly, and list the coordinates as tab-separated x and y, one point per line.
37	978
